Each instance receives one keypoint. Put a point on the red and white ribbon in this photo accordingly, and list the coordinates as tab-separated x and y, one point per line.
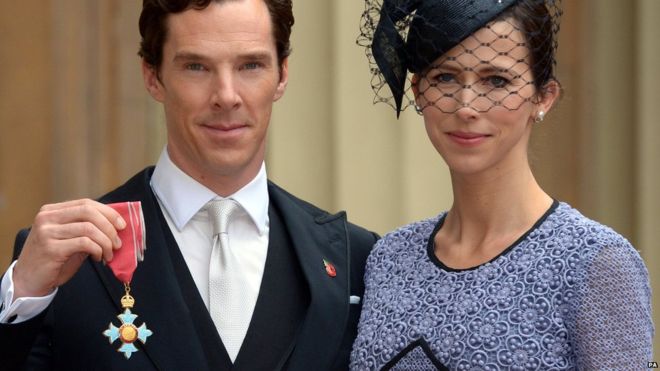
132	237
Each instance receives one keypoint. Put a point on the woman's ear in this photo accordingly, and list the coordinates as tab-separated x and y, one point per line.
548	96
414	84
415	88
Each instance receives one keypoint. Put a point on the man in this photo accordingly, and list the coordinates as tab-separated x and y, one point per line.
217	67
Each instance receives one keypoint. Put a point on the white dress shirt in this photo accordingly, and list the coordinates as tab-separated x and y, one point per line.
183	201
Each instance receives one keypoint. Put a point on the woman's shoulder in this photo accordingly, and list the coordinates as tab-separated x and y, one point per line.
411	231
415	234
570	223
588	238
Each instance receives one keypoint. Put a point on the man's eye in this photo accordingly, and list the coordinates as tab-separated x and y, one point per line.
497	81
195	67
251	66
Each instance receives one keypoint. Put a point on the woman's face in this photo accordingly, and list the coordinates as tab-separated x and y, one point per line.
479	101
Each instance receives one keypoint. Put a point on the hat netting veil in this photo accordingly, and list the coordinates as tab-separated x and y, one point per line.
466	53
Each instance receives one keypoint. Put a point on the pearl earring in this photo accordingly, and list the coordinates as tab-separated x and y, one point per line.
539	117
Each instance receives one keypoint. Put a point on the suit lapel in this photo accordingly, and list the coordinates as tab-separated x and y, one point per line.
315	238
158	297
161	305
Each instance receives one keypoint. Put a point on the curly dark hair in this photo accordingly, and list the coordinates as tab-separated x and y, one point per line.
154	31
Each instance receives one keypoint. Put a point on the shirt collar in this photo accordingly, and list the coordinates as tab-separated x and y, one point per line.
182	196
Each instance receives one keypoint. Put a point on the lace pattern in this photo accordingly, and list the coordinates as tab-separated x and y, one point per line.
415	360
571	294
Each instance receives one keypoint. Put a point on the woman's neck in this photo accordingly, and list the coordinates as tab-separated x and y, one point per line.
489	213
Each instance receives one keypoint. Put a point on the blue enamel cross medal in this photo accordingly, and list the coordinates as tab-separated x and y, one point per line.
128	333
123	265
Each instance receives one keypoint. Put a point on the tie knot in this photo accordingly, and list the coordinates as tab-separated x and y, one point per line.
219	212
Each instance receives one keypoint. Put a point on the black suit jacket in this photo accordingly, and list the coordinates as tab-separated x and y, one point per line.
68	335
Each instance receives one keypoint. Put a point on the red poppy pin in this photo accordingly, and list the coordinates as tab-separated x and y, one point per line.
329	268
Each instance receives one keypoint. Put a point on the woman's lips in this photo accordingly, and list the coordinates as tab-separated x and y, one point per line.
466	138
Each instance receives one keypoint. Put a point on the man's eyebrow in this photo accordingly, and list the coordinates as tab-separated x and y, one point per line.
257	55
189	56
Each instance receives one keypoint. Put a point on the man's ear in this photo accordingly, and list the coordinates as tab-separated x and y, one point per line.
284	80
152	81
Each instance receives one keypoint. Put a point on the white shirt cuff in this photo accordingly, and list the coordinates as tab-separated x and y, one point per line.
24	308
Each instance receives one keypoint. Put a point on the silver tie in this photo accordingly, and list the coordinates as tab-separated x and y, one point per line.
226	304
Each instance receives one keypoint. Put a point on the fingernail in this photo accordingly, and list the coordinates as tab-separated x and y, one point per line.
117	242
120	223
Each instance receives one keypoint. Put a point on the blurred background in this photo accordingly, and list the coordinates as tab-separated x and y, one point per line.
76	120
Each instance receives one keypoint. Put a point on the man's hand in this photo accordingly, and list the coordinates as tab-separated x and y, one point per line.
63	235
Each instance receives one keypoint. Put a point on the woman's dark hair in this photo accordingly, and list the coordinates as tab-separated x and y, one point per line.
154	31
539	29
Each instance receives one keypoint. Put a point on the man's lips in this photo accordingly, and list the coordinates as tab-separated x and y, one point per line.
224	127
225	130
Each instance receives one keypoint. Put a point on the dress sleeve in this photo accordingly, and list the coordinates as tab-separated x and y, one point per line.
614	328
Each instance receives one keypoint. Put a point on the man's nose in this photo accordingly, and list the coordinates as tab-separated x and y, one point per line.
225	94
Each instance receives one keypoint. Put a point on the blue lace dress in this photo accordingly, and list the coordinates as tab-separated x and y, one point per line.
569	294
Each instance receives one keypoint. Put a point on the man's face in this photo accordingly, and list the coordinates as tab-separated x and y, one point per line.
218	80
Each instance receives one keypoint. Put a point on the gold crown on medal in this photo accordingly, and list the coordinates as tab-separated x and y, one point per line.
127	301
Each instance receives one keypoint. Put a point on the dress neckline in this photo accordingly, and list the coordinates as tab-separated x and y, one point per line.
430	247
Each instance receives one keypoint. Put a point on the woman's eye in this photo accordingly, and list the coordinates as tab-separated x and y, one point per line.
445	77
497	81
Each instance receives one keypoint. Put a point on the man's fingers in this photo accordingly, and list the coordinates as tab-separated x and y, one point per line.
68	204
73	246
113	216
62	236
85	229
105	218
82	206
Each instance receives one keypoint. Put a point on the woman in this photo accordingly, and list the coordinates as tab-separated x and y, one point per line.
508	278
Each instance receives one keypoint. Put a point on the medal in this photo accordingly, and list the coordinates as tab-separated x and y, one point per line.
123	266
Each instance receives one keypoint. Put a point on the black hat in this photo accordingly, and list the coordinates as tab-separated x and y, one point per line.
408	35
